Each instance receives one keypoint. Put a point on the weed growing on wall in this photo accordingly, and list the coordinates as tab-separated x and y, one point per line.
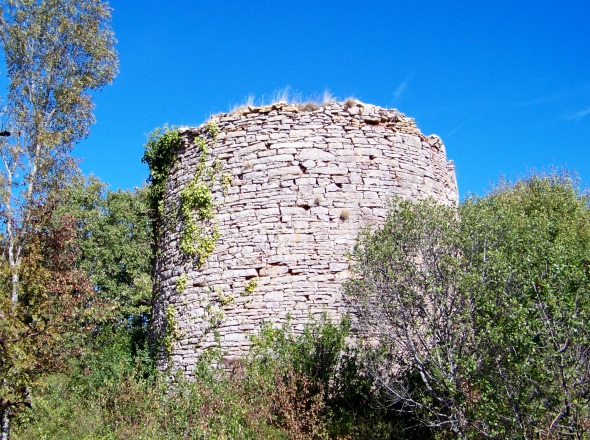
172	330
181	283
251	286
226	300
215	315
226	179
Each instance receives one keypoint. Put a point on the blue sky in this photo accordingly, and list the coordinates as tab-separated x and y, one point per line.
506	84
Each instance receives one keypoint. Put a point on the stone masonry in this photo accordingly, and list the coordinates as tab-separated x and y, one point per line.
304	179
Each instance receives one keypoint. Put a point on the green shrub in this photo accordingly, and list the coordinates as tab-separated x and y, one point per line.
305	386
481	313
316	377
209	407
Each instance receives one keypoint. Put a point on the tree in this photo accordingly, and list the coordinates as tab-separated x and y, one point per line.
406	299
529	250
109	240
43	331
115	239
56	52
479	315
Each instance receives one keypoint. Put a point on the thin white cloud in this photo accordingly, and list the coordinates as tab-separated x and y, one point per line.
547	99
456	129
400	90
577	115
556	95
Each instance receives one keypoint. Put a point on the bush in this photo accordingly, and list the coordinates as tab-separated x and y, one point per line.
306	386
480	316
158	407
318	385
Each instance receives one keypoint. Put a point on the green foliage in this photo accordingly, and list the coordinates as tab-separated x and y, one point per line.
196	198
215	316
213	130
172	331
200	234
481	315
181	283
84	237
203	409
115	240
160	156
197	206
290	387
226	300
317	385
315	352
226	179
116	396
46	326
56	53
251	286
530	251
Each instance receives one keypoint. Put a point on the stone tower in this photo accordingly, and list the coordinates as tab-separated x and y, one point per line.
289	187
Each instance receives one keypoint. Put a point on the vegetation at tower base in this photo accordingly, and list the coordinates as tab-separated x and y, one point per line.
480	318
289	387
56	53
493	341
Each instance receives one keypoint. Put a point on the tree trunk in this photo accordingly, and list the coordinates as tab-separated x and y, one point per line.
5	424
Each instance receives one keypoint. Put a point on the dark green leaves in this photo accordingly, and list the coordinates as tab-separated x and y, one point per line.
160	154
115	240
487	305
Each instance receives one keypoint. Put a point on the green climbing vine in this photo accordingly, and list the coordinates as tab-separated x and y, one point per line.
226	179
160	156
197	207
200	233
172	331
181	283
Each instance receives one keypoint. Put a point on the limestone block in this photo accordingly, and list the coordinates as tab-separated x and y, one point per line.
287	172
315	154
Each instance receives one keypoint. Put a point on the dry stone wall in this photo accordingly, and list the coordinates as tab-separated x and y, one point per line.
303	181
